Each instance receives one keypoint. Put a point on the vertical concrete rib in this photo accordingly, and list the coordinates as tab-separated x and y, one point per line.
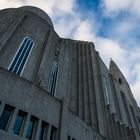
93	111
119	103
110	125
70	77
87	82
116	101
98	92
74	78
86	102
77	77
89	94
107	122
80	79
41	61
118	128
115	127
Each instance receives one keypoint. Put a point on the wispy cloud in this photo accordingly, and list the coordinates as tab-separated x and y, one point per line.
116	6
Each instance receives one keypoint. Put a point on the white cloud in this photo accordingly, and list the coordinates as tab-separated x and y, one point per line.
137	71
9	4
50	6
136	91
46	6
66	26
65	5
84	31
135	9
115	6
110	49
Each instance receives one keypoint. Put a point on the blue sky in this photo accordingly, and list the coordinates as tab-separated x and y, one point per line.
113	26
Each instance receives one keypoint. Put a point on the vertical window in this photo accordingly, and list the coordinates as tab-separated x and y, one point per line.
53	133
18	122
43	131
53	78
68	137
20	59
5	117
106	90
31	128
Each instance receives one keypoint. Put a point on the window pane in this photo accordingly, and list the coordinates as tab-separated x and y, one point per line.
4	119
19	61
21	58
17	56
53	78
43	131
18	124
68	137
54	81
53	133
24	59
30	129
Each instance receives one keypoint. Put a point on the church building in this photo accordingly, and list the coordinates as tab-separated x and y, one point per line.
54	88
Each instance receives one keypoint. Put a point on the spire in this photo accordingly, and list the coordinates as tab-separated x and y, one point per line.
112	66
116	72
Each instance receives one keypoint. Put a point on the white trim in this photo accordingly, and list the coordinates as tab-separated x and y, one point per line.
28	48
27	59
16	53
19	55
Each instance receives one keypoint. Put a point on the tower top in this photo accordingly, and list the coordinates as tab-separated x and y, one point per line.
38	12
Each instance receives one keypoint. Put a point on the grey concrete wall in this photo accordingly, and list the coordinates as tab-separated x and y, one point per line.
22	94
84	131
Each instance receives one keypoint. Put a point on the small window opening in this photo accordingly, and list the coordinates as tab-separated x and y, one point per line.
53	133
31	128
120	81
43	132
19	122
6	116
53	78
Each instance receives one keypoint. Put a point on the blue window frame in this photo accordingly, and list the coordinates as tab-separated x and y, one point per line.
20	59
5	116
43	131
31	128
53	78
18	123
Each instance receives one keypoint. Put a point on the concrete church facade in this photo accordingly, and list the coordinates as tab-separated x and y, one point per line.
53	88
